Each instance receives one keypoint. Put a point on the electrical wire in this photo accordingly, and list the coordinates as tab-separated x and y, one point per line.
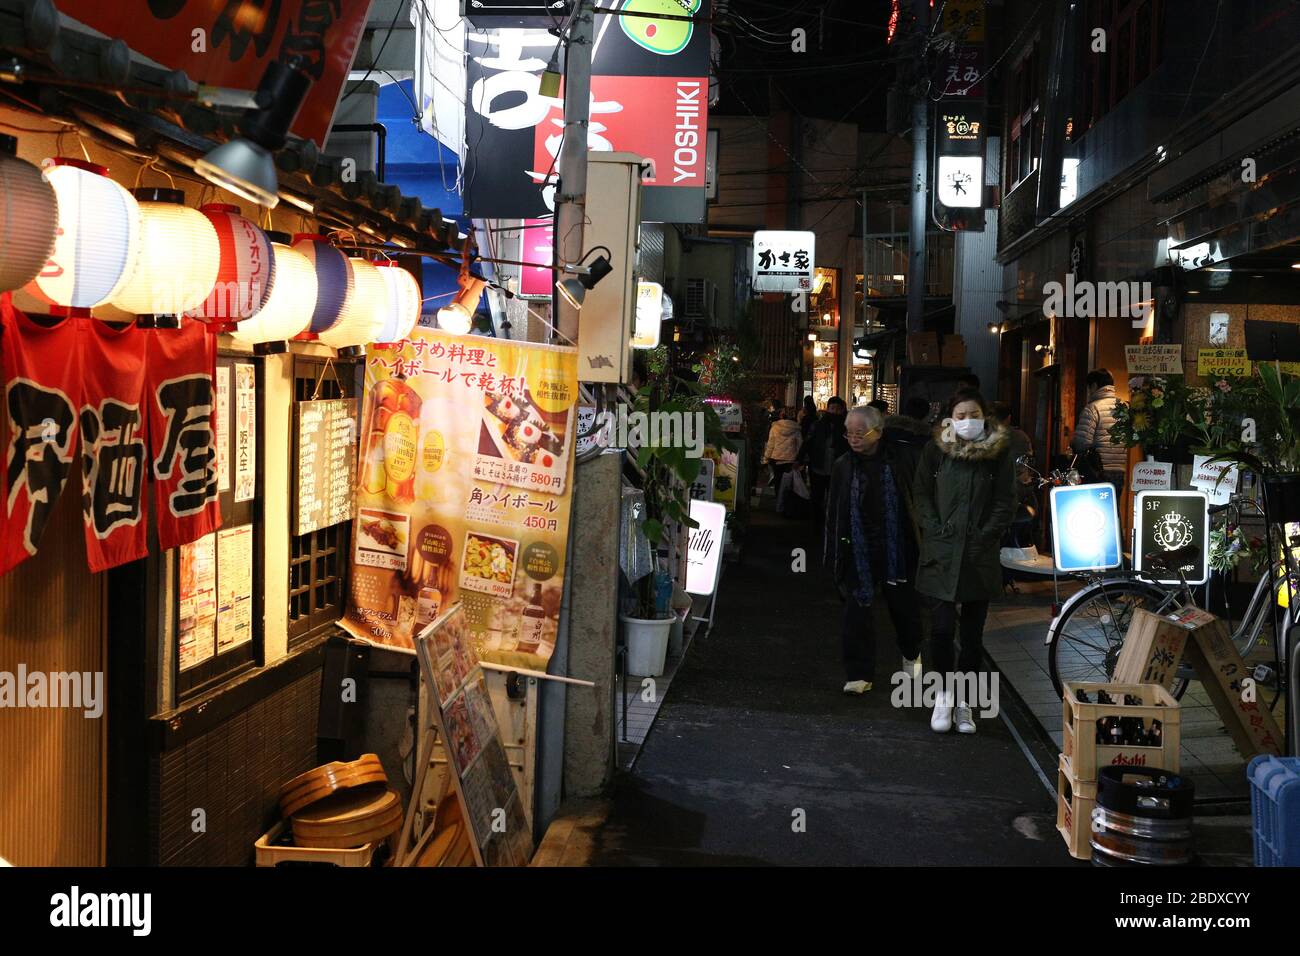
375	59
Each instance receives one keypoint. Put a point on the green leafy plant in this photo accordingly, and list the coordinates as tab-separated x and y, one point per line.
1160	411
1272	403
669	469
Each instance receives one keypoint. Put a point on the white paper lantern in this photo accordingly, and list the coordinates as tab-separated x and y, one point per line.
179	257
334	281
28	218
97	241
364	315
403	302
245	272
288	309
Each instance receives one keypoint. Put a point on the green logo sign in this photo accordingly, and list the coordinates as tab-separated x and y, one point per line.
665	37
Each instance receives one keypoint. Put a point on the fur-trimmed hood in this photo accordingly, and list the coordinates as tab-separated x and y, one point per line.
989	446
904	423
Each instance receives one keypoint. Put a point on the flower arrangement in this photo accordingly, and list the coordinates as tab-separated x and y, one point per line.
1160	411
1229	545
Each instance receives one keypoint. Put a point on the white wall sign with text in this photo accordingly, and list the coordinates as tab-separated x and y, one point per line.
784	261
1154	359
1153	476
1206	477
705	551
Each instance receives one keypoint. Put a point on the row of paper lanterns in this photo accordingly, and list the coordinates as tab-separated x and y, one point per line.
75	239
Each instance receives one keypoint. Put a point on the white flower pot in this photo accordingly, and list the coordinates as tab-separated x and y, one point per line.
647	645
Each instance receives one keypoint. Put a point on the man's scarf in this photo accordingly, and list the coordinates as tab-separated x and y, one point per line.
893	542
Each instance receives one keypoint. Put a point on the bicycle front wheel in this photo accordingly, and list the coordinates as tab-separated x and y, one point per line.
1087	637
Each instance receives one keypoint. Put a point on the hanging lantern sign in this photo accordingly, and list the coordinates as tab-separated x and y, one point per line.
97	238
28	217
178	261
289	306
403	302
334	281
245	272
364	314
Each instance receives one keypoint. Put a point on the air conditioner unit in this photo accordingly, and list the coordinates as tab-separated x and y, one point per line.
701	299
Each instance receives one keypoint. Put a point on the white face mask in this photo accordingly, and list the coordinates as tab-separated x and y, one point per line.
969	428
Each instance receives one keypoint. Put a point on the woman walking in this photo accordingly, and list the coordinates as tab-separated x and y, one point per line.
965	498
783	441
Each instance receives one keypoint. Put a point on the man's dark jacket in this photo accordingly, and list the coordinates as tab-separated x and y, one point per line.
828	428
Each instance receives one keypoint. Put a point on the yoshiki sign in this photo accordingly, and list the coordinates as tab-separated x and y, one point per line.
649	96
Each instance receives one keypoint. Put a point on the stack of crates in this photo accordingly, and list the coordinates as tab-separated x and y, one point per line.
1275	806
1082	755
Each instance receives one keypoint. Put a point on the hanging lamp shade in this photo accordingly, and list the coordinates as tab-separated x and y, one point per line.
403	302
245	269
97	238
288	308
179	257
364	316
334	281
28	217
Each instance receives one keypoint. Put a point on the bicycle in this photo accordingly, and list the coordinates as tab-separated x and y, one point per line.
1086	635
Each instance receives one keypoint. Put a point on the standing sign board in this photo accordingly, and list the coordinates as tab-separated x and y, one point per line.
649	96
1085	528
1167	521
705	551
784	261
467	728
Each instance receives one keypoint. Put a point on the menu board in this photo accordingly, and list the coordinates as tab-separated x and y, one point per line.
327	464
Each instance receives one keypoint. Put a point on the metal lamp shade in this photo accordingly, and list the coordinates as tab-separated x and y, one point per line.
334	281
245	269
97	239
289	306
244	168
403	311
178	262
364	316
28	219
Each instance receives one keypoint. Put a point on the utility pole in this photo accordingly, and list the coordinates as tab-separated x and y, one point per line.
920	171
571	196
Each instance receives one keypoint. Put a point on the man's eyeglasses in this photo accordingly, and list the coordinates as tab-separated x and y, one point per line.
861	434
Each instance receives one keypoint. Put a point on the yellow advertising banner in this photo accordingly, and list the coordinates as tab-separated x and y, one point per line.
1220	362
466	470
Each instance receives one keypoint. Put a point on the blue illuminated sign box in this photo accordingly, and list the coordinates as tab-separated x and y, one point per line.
1085	528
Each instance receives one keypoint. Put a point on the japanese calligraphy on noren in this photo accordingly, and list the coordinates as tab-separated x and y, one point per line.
188	449
41	435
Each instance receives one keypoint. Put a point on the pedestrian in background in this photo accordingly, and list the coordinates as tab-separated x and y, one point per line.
783	442
871	545
965	498
807	416
822	449
1099	459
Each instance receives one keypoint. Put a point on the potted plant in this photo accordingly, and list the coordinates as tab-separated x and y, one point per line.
1161	416
1268	443
669	470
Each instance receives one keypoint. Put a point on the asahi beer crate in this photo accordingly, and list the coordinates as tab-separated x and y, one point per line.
1075	799
1145	733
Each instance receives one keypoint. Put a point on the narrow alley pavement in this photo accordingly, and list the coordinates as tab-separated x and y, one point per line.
755	728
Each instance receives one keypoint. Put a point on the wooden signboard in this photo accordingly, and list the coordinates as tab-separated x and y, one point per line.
479	776
326	471
1155	645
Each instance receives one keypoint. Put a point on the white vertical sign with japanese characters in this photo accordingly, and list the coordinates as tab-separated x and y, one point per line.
245	432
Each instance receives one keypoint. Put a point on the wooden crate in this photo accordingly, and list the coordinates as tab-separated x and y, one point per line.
1075	799
1220	667
1152	650
270	852
1079	728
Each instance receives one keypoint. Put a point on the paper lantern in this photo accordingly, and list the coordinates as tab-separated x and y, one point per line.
97	239
334	281
288	309
28	217
403	302
245	271
364	315
179	257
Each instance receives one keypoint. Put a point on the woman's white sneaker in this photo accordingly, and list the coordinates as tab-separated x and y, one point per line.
941	719
964	719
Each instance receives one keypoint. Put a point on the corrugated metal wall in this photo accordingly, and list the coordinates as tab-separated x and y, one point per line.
52	758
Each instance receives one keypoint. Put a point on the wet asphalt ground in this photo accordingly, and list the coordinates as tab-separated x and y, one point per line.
758	758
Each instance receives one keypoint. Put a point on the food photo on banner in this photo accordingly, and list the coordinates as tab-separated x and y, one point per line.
466	473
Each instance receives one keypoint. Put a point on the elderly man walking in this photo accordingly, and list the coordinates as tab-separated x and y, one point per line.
871	544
